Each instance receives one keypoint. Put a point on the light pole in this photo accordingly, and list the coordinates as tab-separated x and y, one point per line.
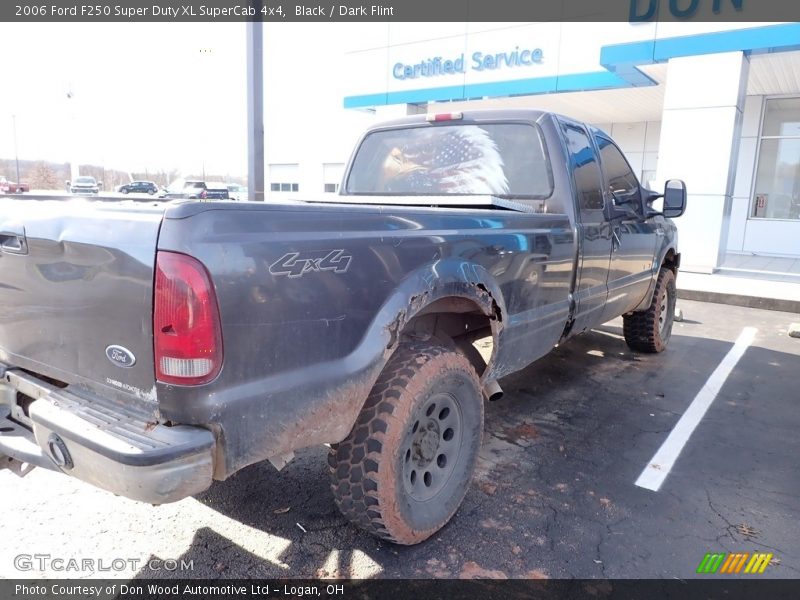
16	152
74	167
255	109
206	57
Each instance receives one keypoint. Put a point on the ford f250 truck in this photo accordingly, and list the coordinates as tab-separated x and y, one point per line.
152	349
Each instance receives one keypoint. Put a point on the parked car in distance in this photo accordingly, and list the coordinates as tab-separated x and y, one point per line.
190	188
215	190
237	192
11	187
139	187
85	184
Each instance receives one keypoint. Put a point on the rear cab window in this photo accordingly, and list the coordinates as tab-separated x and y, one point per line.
508	160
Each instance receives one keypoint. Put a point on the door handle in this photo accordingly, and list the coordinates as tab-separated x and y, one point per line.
13	240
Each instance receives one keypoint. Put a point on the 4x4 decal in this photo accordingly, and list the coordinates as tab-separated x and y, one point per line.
296	264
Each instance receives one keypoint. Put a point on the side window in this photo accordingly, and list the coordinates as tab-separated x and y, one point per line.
585	170
621	180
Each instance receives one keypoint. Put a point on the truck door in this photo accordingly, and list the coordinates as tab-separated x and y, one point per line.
594	231
633	237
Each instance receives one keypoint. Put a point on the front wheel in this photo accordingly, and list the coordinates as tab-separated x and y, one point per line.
649	331
404	469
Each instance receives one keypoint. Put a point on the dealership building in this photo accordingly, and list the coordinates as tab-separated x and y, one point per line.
714	104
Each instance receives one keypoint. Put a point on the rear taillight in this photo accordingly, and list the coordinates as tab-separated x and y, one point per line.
186	329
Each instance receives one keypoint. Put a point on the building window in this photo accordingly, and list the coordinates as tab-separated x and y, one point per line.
777	189
331	176
284	187
284	178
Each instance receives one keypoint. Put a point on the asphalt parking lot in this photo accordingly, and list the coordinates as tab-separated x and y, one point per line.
554	496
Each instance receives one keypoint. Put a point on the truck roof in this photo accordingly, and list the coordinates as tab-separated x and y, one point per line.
525	114
471	116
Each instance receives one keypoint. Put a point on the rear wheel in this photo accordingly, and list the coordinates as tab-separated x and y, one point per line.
404	469
649	331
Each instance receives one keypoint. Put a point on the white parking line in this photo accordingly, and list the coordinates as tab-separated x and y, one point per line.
659	467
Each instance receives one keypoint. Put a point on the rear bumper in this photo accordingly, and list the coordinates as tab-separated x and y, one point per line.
114	447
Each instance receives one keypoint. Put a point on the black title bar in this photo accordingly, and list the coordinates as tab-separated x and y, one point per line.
189	11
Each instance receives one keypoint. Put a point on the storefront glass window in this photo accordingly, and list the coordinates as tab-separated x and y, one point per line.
777	191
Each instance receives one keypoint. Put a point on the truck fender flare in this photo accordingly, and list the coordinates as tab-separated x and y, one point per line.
436	281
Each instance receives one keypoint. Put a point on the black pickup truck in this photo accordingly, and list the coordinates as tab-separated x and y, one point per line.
151	349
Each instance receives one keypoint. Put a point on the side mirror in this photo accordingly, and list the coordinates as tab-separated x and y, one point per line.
674	198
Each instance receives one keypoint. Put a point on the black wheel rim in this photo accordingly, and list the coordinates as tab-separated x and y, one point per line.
432	446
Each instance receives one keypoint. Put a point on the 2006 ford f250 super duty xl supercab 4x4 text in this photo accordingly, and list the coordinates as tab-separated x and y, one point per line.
151	349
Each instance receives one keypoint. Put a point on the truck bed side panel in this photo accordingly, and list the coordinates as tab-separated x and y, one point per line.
311	301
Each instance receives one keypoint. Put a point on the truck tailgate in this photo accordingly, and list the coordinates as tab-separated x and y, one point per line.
76	292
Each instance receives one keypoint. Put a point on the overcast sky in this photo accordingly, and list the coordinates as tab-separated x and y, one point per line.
148	95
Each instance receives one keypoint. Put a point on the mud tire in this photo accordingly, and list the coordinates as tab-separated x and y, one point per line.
405	468
650	331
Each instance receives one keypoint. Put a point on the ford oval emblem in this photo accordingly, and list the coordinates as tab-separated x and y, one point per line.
122	357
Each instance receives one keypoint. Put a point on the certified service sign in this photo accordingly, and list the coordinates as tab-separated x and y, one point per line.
479	61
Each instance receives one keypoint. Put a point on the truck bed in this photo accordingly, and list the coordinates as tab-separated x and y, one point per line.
338	280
